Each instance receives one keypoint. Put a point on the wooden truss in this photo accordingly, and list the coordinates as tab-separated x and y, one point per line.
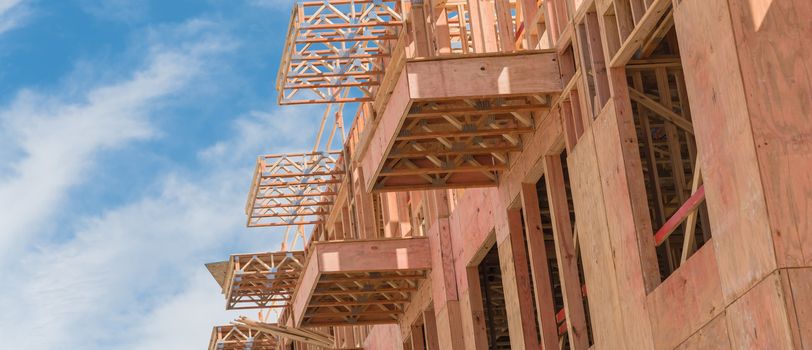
233	337
452	122
360	282
262	280
458	143
300	335
334	50
293	189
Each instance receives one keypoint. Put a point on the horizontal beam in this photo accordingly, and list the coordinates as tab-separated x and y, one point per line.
681	215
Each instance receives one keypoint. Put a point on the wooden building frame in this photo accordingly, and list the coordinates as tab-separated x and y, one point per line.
642	172
293	189
335	50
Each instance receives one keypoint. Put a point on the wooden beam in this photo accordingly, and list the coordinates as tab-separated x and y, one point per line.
537	251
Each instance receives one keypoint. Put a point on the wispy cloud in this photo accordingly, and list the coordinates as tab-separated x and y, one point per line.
57	137
129	276
12	14
133	277
116	10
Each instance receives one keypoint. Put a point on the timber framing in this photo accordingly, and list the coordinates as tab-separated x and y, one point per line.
557	174
359	282
232	337
454	121
262	280
335	48
293	189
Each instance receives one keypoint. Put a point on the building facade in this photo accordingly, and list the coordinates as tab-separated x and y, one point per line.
556	174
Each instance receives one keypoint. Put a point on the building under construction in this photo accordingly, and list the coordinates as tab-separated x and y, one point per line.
526	174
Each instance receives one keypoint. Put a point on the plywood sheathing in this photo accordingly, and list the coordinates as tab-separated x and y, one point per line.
726	147
219	270
695	288
775	58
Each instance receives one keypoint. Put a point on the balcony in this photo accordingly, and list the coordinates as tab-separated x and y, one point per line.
453	121
359	282
293	189
232	337
336	50
260	280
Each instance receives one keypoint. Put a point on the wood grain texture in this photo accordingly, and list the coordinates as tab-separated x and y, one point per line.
775	55
734	195
487	75
687	300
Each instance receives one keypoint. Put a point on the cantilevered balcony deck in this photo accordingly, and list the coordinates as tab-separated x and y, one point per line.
453	121
293	189
335	50
260	280
359	282
231	337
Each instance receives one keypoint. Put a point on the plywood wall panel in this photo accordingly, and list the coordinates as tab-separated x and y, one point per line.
759	320
622	232
687	300
384	337
712	336
775	55
596	250
734	196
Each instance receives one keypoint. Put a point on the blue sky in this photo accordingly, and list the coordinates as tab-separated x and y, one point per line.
128	133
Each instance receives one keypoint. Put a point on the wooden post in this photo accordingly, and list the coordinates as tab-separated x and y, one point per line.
538	261
516	284
566	254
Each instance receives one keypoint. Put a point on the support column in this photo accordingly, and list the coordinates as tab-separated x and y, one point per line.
448	316
541	270
517	285
565	253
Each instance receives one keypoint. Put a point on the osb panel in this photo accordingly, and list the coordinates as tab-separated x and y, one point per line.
734	196
759	319
626	245
685	301
596	250
712	336
775	55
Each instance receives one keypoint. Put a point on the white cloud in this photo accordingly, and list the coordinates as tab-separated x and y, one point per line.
56	138
133	277
12	14
116	10
129	277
